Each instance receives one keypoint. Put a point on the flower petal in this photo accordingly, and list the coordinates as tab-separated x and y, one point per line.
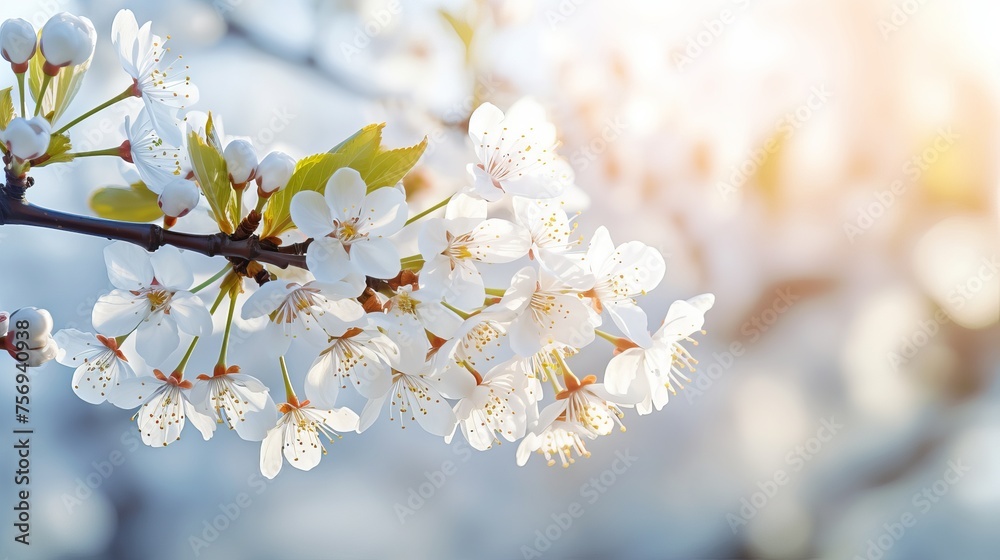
129	267
311	215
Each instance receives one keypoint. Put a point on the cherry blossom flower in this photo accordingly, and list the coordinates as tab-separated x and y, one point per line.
100	364
410	315
297	436
516	153
156	162
492	409
414	395
360	356
452	246
347	219
150	298
560	438
166	407
313	311
656	370
621	274
164	90
545	313
549	229
586	404
237	399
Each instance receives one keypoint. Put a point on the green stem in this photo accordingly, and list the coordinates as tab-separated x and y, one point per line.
428	211
606	336
187	356
413	262
456	310
41	93
218	300
261	203
289	392
20	90
120	97
211	280
194	342
495	292
105	152
229	328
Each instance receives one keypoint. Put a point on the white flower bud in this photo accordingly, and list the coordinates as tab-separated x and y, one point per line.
274	172
241	161
42	354
36	322
67	40
27	138
179	197
4	320
17	42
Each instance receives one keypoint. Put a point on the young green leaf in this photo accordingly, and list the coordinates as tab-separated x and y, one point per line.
210	169
128	204
61	90
6	107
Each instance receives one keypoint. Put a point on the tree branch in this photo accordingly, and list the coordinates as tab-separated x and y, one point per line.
16	210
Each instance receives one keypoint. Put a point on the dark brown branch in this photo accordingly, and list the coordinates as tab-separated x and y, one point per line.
17	211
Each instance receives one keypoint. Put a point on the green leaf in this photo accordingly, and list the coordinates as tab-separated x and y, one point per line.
364	142
6	108
127	204
387	168
58	150
210	169
62	89
363	151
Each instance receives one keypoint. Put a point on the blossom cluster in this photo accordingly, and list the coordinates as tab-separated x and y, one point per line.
432	340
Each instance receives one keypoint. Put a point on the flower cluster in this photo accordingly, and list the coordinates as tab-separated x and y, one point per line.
430	339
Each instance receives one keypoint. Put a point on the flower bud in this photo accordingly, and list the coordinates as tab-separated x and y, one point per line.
27	138
241	161
36	322
274	172
67	40
179	197
4	321
36	356
17	43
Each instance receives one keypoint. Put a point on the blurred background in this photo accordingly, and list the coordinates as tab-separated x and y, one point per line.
826	168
